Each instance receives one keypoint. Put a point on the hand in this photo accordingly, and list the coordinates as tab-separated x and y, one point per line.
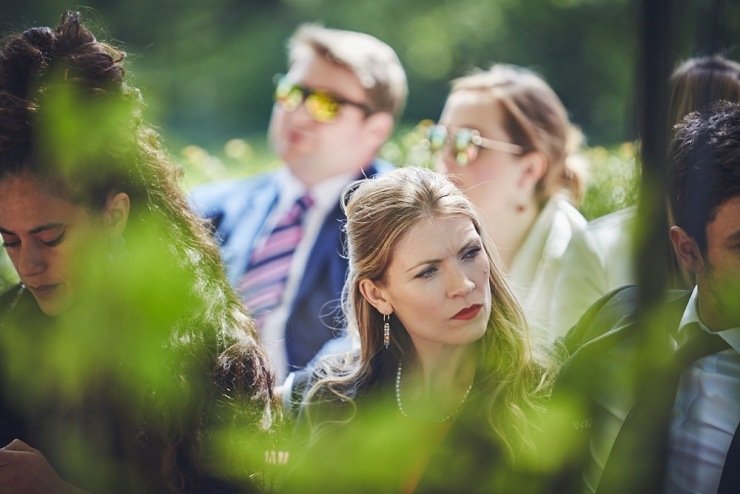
25	469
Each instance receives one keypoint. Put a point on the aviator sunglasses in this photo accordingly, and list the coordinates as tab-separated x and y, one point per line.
320	105
465	143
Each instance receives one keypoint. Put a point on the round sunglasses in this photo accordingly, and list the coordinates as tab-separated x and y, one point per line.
320	105
465	143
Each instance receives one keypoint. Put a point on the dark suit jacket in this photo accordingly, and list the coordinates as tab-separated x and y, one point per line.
623	371
238	211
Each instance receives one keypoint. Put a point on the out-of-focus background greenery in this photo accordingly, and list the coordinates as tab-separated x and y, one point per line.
206	66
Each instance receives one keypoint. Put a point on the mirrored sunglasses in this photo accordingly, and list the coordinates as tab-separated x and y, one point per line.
320	105
465	143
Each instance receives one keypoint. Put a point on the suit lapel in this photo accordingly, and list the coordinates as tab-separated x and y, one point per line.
249	212
636	462
328	246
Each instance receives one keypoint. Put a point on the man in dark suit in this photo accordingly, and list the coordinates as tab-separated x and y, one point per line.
662	395
334	109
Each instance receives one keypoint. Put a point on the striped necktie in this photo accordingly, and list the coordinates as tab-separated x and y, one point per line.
264	281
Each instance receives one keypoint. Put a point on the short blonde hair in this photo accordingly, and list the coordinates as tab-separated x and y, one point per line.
372	61
535	118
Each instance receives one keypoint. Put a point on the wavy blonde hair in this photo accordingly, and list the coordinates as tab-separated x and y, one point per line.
535	118
380	212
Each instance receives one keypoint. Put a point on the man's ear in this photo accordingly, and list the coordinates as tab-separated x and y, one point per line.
115	214
379	127
375	296
687	250
534	166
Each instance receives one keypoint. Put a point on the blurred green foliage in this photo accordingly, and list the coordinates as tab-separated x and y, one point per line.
8	277
206	66
612	179
205	69
130	361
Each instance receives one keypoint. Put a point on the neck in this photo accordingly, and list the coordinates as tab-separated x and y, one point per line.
711	311
442	369
437	388
310	173
509	231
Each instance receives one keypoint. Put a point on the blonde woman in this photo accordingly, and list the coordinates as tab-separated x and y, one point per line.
445	374
505	139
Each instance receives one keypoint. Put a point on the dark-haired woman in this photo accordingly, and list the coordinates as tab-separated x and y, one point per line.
126	361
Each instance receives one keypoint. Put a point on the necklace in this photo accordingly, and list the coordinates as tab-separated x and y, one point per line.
454	412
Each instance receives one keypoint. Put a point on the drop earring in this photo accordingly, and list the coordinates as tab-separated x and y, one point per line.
386	331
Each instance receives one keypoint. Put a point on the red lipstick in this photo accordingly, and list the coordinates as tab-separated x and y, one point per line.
468	313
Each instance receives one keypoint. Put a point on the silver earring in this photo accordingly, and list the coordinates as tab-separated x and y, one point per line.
386	331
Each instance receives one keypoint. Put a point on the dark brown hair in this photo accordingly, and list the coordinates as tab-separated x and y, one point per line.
700	81
54	80
705	167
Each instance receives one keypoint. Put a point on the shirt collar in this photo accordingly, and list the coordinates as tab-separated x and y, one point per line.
324	194
290	188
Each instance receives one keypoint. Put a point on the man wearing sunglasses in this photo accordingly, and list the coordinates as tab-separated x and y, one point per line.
334	109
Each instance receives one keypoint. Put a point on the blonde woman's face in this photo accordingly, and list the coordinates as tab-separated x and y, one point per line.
492	179
437	283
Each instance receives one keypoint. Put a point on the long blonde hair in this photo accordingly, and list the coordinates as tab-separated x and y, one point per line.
380	212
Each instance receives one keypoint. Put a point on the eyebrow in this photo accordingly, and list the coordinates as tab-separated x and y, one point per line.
38	229
437	261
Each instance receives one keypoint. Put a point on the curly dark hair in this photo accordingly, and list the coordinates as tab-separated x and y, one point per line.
69	118
704	167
